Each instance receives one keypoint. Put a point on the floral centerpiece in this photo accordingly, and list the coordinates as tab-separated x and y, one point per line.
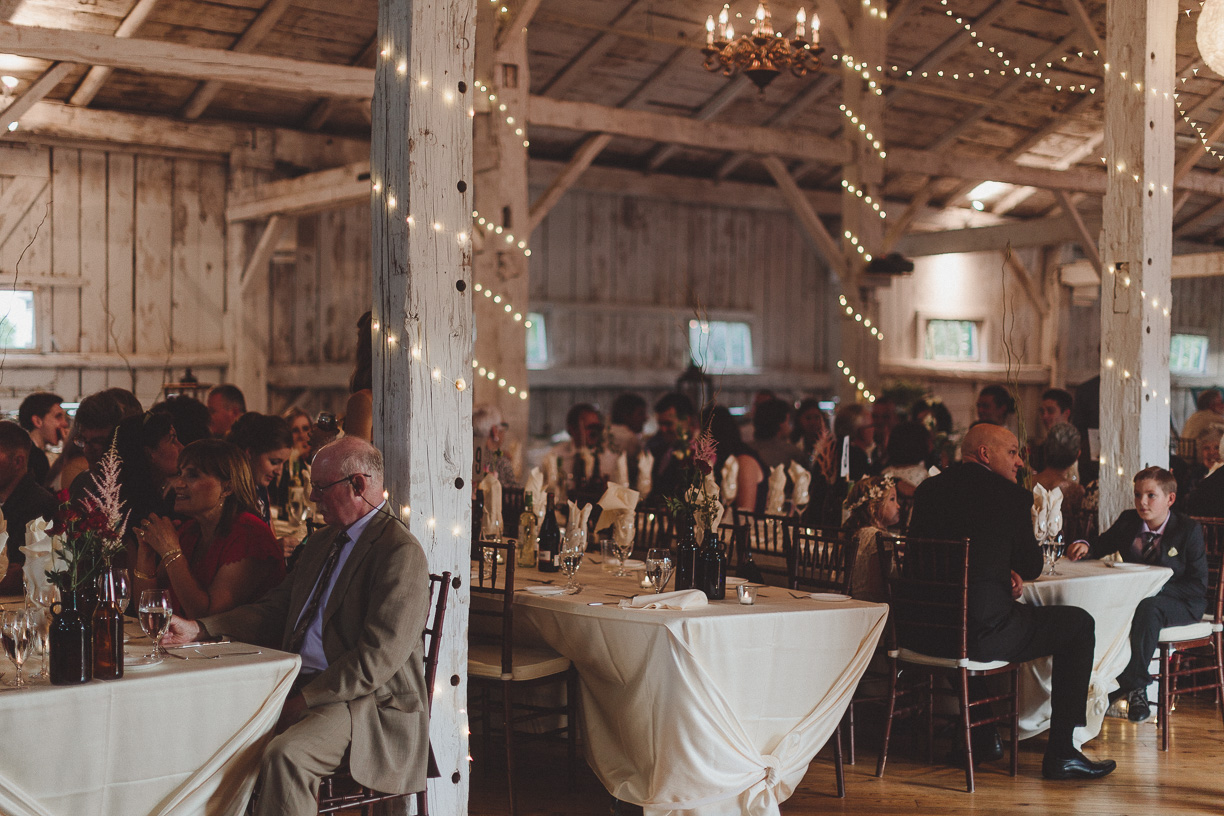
88	534
699	499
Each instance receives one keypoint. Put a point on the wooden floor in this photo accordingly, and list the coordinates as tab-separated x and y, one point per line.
1188	779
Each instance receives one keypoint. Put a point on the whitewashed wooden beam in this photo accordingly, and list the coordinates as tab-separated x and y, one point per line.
516	27
34	94
810	221
1026	373
324	108
1196	151
49	122
259	28
1137	249
1087	240
96	77
420	151
181	60
1037	232
1030	287
1084	25
578	68
899	225
112	361
313	192
729	92
810	95
582	159
637	379
265	247
1198	265
1051	332
1209	213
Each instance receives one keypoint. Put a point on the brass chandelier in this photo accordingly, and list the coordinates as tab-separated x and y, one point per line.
763	54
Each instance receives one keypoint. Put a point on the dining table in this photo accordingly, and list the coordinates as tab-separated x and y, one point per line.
1109	591
713	710
175	738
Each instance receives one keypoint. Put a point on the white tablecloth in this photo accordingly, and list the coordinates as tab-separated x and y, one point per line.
181	738
717	710
1110	595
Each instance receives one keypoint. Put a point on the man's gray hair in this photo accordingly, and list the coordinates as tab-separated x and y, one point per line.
363	458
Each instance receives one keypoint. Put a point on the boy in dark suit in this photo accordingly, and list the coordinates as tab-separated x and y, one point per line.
1153	534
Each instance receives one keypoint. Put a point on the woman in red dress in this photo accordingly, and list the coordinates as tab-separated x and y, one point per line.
223	555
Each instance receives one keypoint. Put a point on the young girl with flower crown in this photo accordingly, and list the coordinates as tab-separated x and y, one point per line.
870	508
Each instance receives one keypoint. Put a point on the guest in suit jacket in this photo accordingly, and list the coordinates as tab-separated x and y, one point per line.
1153	534
979	499
1208	498
354	608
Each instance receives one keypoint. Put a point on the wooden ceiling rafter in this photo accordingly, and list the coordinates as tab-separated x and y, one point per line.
97	75
34	94
325	106
590	54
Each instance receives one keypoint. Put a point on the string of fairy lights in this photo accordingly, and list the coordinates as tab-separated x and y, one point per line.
854	380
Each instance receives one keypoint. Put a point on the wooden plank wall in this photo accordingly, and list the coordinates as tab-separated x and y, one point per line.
126	256
618	278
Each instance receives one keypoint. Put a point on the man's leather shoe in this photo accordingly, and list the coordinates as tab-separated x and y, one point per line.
1077	766
987	746
1138	709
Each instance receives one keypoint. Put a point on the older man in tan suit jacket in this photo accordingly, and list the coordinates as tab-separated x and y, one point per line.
355	608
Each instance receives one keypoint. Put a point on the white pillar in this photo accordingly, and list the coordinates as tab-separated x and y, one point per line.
421	203
1138	245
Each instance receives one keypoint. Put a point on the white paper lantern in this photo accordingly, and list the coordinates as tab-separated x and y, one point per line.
1210	35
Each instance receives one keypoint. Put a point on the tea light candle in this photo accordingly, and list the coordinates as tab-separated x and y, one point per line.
746	594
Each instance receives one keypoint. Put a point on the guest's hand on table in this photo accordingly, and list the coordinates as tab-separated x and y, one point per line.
181	630
292	711
1076	551
1017	585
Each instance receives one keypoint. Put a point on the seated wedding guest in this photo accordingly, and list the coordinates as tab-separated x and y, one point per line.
883	420
1060	453
872	508
93	429
192	422
223	555
1210	413
128	403
266	441
810	427
853	421
586	433
1206	461
1153	534
628	420
978	499
300	453
225	404
43	418
1208	497
489	455
358	419
677	419
149	449
21	499
995	405
361	691
750	481
771	430
301	426
1055	407
909	446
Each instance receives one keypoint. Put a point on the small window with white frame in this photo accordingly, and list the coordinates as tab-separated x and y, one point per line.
17	330
537	342
721	346
1188	354
952	341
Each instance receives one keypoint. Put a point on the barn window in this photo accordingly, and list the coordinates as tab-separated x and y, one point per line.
721	346
537	341
17	319
1188	354
952	341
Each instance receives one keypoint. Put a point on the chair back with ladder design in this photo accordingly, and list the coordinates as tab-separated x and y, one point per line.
765	553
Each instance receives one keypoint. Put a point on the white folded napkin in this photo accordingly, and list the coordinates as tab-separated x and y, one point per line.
933	470
535	489
616	502
41	556
645	473
1054	519
678	600
730	479
491	520
710	504
577	517
621	476
588	462
549	471
1047	512
1038	512
776	496
800	479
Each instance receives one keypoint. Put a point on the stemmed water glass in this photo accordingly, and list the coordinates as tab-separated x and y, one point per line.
17	634
571	560
155	614
623	548
659	568
1052	549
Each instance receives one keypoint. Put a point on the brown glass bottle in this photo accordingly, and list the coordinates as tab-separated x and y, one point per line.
107	633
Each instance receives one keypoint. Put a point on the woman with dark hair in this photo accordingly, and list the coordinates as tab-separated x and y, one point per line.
266	441
749	494
148	447
909	445
359	411
1061	450
222	556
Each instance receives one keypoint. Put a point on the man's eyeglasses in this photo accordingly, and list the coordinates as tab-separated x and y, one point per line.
347	478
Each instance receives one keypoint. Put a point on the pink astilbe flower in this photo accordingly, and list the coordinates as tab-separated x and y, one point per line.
704	452
106	499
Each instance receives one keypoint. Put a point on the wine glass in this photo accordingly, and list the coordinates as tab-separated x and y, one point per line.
571	560
155	614
17	635
623	547
123	590
659	568
43	598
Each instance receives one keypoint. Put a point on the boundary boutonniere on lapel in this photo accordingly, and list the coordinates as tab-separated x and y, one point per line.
1172	552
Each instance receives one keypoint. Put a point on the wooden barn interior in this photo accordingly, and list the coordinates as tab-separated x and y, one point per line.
190	184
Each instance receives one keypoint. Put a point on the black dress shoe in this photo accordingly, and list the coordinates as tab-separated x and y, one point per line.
1077	766
987	747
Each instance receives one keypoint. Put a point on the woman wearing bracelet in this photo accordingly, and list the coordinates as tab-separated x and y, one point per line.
223	556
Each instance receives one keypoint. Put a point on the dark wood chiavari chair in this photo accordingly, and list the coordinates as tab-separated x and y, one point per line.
766	550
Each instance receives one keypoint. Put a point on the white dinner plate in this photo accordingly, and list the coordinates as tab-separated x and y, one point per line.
544	590
733	581
140	662
829	596
1125	566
